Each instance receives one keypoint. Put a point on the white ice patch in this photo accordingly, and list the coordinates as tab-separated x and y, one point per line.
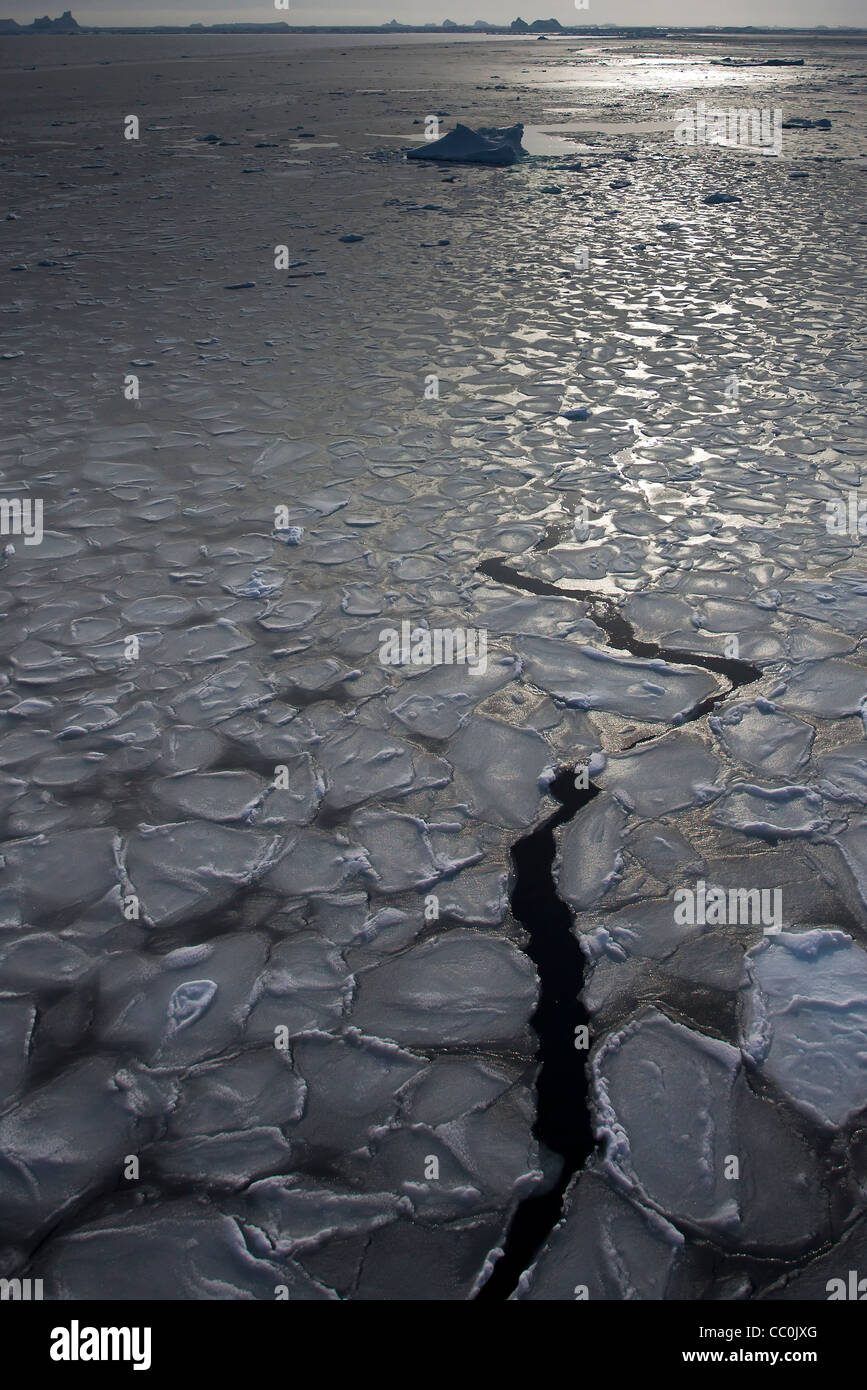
804	1020
760	736
594	678
589	855
771	813
666	775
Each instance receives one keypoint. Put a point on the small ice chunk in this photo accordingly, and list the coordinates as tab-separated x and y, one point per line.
188	1002
298	1217
60	1144
589	854
352	1087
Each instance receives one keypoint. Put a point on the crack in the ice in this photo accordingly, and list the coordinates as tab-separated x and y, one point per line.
563	1123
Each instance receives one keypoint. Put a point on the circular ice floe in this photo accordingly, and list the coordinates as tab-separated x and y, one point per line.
804	1020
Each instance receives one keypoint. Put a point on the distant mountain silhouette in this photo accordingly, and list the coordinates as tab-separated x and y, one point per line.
66	24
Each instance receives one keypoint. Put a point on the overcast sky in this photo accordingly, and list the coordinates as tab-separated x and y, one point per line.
692	12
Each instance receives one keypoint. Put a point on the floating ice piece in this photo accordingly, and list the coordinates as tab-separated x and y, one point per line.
280	458
186	749
485	1160
401	853
41	960
476	897
289	535
183	1250
182	870
666	775
494	1143
526	614
304	987
595	678
771	813
51	873
839	600
352	1087
828	689
220	796
61	1143
606	1246
589	853
462	145
257	587
842	772
297	1217
236	1093
804	1020
290	614
453	1086
464	987
210	642
500	767
664	852
711	960
36	663
647	929
435	702
229	690
223	1160
135	1011
362	763
673	1108
188	1002
317	861
760	736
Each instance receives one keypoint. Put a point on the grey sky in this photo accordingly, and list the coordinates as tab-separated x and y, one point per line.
692	12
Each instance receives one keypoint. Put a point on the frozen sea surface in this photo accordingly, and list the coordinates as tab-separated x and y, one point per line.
264	1005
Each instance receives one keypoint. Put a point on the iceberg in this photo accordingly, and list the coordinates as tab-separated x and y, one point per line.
465	146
